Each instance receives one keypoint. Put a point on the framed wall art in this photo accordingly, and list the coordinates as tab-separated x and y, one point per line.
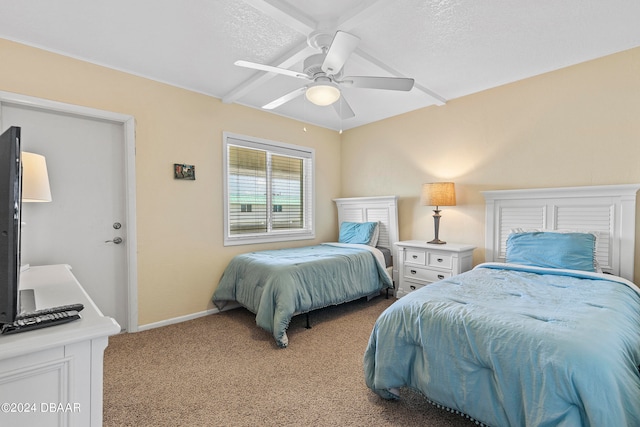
182	171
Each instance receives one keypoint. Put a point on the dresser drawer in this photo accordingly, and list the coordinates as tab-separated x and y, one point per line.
425	274
435	259
413	256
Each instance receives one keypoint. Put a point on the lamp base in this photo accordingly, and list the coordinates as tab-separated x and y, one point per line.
437	242
436	226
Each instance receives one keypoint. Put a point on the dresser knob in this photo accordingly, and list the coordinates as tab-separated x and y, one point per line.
440	276
415	256
413	288
413	272
440	260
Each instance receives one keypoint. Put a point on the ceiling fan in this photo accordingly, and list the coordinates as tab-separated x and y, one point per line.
324	71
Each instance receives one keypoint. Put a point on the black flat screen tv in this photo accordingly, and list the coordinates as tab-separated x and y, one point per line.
10	208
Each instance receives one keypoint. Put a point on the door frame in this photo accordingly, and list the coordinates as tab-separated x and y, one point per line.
128	125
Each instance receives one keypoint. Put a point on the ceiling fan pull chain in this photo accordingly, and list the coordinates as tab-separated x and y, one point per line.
304	113
340	106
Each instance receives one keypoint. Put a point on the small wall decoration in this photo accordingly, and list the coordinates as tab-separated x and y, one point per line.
184	171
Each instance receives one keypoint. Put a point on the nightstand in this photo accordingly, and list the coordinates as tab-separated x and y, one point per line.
423	263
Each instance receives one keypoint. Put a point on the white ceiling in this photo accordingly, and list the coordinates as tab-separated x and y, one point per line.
451	48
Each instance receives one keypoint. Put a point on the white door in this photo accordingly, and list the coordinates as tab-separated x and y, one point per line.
85	161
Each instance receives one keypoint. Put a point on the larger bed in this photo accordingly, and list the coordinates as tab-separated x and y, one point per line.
279	284
536	341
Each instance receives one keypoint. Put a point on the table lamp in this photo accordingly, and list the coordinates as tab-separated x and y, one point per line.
438	194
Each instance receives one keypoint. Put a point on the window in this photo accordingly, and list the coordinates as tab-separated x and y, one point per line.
268	191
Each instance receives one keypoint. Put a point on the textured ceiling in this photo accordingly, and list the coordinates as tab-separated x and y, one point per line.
451	48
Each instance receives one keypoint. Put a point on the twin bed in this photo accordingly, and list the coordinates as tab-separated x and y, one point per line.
546	333
278	284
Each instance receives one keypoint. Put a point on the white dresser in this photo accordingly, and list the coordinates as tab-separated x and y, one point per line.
423	263
53	376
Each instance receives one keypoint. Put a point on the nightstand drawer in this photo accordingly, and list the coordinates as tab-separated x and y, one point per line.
415	257
412	286
439	260
424	274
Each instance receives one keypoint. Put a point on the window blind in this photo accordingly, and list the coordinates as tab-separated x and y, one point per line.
247	183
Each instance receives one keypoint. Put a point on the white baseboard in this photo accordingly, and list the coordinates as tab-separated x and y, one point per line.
185	318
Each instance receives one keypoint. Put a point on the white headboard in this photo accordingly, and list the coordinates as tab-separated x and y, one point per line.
383	209
610	210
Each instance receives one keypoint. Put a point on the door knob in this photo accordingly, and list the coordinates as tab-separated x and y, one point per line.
116	240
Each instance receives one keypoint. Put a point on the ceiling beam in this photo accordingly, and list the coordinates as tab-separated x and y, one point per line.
358	15
285	14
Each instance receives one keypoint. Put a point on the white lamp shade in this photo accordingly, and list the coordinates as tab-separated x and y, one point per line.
323	94
35	179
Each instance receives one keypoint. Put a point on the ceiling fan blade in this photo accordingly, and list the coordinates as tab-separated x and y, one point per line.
343	109
285	98
341	48
270	69
388	83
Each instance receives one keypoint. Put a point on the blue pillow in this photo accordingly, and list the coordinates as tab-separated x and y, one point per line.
573	251
358	232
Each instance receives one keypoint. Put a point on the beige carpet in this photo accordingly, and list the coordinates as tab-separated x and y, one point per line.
222	370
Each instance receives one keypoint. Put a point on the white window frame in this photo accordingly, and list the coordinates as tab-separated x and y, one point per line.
273	147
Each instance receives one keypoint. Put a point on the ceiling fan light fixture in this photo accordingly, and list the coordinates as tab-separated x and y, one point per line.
323	93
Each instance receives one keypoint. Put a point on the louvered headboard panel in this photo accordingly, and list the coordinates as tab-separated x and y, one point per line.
609	210
383	209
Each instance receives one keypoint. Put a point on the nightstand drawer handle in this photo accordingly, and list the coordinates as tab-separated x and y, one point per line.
440	276
440	260
415	257
413	288
413	272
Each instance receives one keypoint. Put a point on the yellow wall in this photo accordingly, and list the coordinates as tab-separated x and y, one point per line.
174	126
576	126
571	127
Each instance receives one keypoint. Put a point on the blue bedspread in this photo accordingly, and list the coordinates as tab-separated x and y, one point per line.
277	284
515	347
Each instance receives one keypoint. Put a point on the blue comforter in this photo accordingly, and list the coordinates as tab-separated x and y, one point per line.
513	346
277	284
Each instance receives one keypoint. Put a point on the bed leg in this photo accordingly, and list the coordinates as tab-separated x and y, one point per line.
308	322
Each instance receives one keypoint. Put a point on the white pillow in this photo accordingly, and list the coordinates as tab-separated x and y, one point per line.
375	236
